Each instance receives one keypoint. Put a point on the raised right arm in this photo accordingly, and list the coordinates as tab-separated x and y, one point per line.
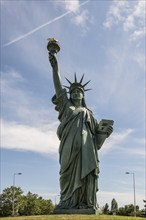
56	75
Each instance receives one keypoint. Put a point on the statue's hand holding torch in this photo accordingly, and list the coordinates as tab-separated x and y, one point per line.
53	48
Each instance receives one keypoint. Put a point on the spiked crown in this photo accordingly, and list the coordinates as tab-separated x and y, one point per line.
77	85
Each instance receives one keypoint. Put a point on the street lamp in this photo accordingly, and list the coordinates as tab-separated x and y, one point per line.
133	191
13	199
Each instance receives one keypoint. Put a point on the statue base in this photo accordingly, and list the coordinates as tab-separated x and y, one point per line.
76	211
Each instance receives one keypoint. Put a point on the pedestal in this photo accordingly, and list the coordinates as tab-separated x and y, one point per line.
76	211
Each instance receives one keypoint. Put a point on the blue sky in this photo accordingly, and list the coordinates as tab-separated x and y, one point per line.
106	41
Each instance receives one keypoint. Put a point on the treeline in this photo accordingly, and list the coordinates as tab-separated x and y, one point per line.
13	203
127	210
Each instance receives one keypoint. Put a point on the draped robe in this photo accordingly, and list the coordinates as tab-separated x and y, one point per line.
78	154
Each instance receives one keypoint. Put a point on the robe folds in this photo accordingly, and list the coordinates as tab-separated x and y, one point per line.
78	154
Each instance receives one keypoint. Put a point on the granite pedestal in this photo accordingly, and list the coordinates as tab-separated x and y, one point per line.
76	211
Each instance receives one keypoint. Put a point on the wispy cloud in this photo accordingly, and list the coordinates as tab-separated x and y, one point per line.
119	141
18	101
28	138
135	17
44	139
138	34
130	15
71	5
80	17
114	15
115	141
31	133
36	29
71	8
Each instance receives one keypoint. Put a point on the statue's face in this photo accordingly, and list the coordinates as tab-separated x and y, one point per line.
77	94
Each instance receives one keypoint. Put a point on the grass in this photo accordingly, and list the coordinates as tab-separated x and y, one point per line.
72	217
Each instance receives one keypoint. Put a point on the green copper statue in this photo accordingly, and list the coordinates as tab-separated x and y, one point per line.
81	136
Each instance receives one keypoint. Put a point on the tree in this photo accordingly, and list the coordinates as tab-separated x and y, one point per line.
11	195
46	206
30	204
121	211
144	211
35	205
106	209
114	206
127	210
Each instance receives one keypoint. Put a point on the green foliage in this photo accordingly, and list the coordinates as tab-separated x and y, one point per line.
35	205
106	209
6	200
30	204
114	206
144	210
128	210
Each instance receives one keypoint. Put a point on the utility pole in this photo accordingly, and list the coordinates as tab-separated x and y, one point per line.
13	197
133	192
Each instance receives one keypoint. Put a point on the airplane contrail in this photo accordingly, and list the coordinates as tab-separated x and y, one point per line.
41	26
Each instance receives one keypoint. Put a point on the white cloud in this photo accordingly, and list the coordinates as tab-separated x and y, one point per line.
115	141
11	94
19	103
130	15
11	76
129	23
138	34
44	139
29	130
27	134
81	18
71	5
140	59
114	15
139	10
138	151
120	142
136	18
23	137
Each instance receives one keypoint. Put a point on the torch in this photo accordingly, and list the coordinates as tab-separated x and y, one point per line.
53	46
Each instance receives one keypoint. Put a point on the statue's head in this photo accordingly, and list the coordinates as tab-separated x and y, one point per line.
77	85
77	94
77	89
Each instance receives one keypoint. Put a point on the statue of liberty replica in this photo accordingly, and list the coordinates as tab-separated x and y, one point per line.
81	136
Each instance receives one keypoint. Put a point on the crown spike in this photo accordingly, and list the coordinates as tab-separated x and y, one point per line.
86	83
66	87
82	78
75	78
87	90
68	81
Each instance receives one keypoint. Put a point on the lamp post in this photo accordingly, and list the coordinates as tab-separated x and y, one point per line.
133	191
13	198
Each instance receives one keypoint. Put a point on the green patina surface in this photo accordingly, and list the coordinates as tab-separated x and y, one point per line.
81	136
